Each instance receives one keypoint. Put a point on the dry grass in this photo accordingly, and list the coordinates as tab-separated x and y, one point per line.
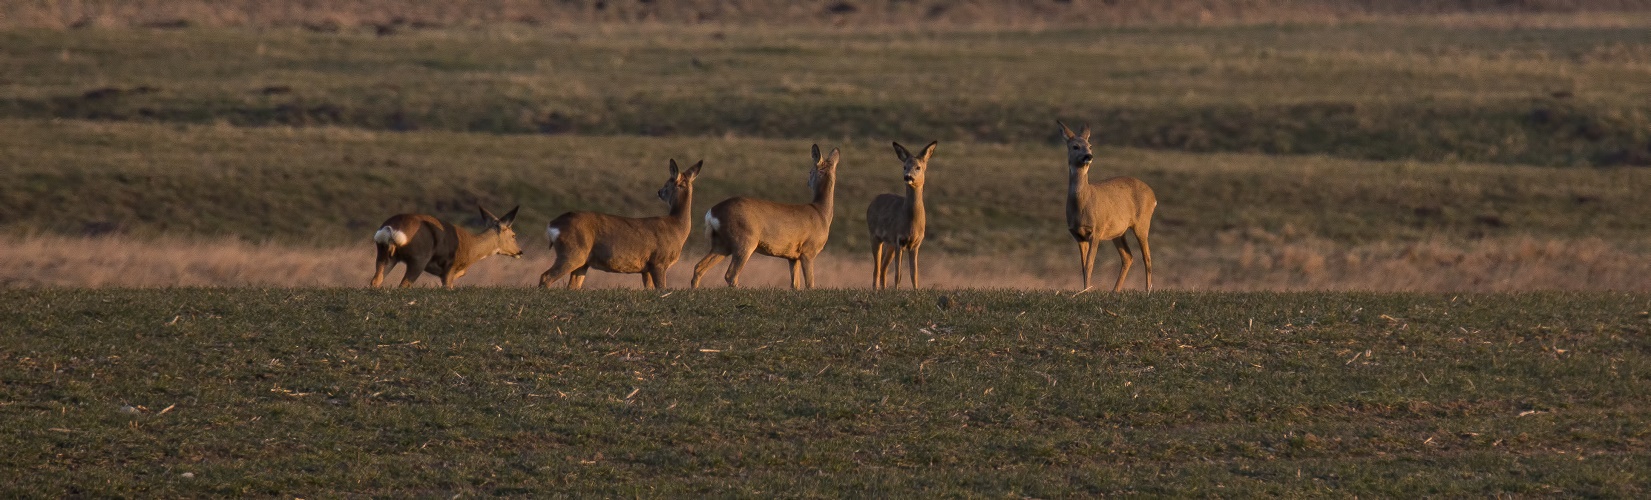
1502	265
334	15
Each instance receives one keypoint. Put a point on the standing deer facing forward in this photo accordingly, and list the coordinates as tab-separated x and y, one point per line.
427	244
897	222
1105	210
739	226
615	244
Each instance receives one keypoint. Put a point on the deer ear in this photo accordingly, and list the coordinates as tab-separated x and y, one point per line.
487	215
673	167
901	153
1066	131
1084	132
816	153
929	150
509	217
693	172
832	160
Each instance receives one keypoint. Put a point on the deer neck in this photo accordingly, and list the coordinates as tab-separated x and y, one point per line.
823	197
1078	180
475	247
914	207
682	210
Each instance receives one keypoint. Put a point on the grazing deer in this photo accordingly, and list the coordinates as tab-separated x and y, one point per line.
427	244
615	244
739	226
897	223
1105	210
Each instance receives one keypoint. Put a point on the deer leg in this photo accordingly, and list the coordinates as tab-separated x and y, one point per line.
896	251
1124	260
659	277
796	273
1146	255
415	268
889	251
452	275
876	265
384	263
741	254
732	276
808	272
1086	261
561	268
711	259
913	268
577	280
647	277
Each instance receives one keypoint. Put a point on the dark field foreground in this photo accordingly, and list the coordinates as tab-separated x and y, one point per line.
991	393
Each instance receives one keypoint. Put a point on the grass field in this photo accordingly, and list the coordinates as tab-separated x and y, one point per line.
1550	96
1395	256
324	392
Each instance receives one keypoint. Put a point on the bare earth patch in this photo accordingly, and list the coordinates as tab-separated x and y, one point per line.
1504	265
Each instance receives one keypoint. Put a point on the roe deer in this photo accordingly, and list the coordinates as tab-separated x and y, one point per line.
615	244
739	226
1105	210
427	244
897	223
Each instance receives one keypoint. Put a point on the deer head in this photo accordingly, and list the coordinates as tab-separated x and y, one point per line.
1078	155
915	165
680	184
507	236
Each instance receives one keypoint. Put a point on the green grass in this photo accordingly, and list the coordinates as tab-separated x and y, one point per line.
1371	91
506	391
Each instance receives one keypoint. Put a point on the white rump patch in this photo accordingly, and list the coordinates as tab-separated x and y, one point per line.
390	236
553	233
712	225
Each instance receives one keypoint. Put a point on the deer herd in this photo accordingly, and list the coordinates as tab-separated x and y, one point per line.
740	226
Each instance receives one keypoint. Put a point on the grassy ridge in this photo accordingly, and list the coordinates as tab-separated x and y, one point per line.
488	391
1376	91
395	15
332	186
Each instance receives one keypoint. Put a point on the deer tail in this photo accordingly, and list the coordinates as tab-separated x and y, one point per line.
390	238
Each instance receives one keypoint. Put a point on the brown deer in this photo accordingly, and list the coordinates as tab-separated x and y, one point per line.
897	222
428	244
615	244
1105	210
739	226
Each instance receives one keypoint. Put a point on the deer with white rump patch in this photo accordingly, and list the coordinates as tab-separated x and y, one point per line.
897	223
427	244
740	226
649	246
1105	210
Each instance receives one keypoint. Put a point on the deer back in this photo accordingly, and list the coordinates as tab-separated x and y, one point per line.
624	244
782	229
411	235
1111	206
